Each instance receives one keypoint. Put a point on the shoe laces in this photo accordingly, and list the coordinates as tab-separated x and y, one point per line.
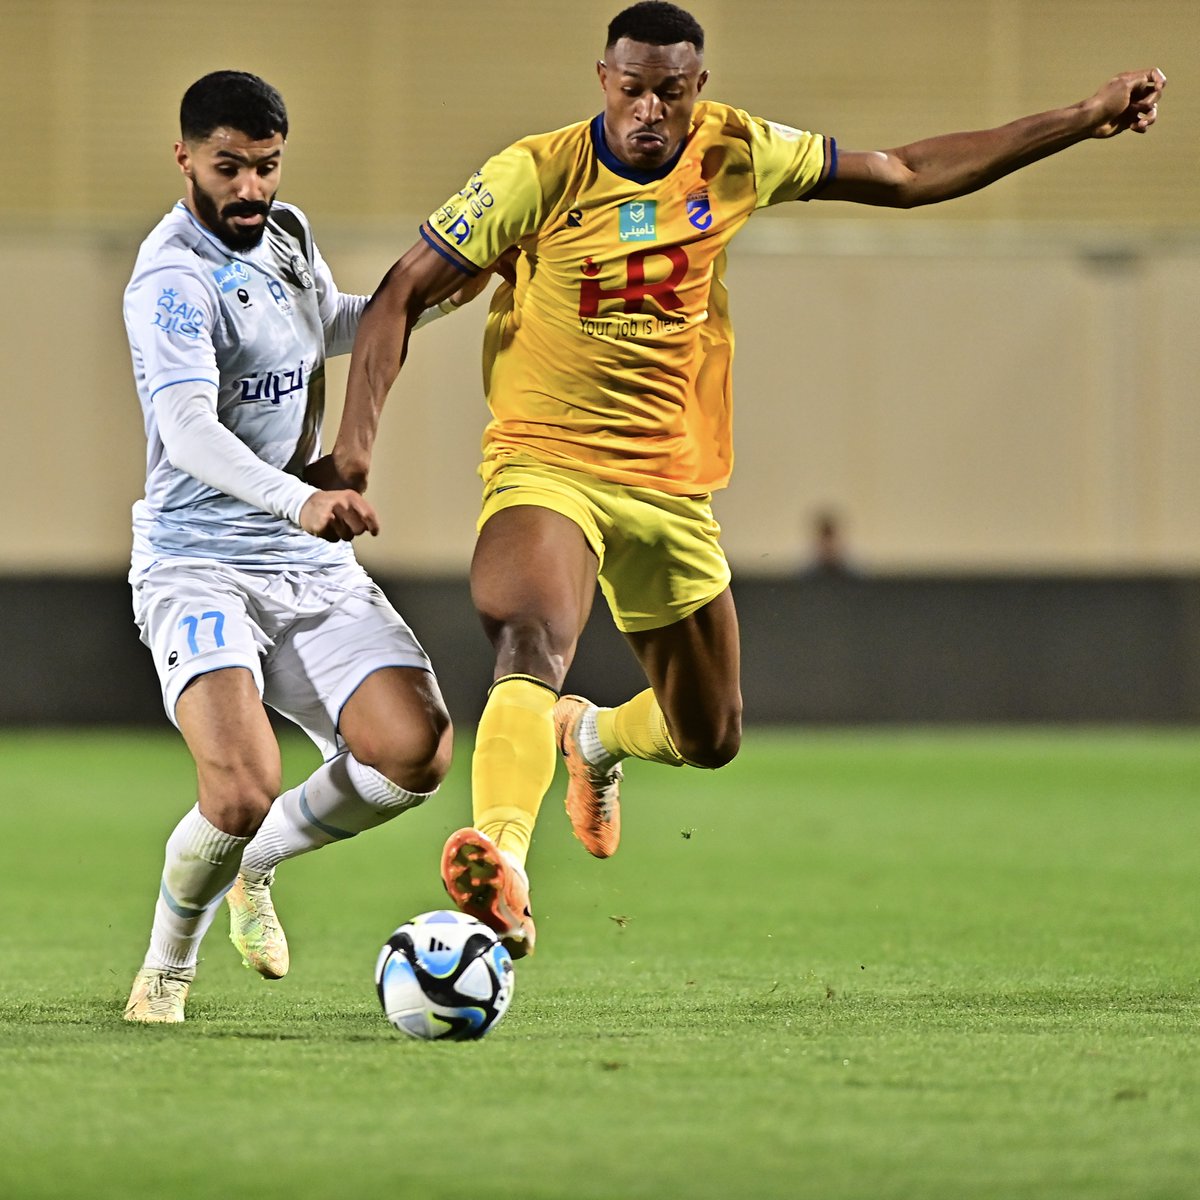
162	991
262	907
605	791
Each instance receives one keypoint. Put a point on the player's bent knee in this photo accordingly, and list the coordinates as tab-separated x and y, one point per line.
416	759
532	646
712	751
237	803
237	796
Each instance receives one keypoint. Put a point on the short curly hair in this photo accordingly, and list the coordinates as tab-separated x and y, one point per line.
235	100
657	24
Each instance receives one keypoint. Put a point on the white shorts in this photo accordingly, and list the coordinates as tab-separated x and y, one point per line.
309	638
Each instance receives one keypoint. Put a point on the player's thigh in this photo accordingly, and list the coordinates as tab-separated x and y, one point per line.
694	666
347	632
533	579
198	618
662	557
225	726
396	721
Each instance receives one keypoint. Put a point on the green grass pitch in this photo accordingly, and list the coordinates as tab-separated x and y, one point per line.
874	964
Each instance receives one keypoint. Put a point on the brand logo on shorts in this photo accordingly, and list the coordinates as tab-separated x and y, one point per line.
172	659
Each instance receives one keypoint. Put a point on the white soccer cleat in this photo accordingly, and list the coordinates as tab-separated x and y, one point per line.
158	996
254	927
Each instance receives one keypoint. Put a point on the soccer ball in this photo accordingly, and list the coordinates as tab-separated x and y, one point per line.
444	975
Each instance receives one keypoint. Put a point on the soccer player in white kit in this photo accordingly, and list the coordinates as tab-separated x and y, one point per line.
245	586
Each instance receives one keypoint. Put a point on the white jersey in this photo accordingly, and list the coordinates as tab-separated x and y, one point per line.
256	325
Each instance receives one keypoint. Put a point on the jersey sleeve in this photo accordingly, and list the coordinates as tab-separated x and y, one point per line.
170	316
503	201
340	311
787	162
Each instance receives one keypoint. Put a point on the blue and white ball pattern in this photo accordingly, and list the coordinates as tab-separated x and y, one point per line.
444	975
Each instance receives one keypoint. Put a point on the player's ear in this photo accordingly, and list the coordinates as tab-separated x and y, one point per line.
602	72
701	80
183	157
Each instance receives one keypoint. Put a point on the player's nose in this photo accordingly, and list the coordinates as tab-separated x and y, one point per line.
251	186
649	110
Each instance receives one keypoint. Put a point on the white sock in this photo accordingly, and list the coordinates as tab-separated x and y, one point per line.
200	866
339	800
590	745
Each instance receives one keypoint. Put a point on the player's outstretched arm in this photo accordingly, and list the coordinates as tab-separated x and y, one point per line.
941	168
420	279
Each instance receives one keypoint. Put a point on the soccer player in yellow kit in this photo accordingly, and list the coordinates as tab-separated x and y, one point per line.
607	362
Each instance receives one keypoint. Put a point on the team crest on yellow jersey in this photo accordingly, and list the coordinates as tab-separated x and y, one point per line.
699	210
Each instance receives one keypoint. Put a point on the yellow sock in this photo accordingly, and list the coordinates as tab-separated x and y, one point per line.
638	728
514	761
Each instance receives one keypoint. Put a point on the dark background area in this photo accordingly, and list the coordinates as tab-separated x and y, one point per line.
916	649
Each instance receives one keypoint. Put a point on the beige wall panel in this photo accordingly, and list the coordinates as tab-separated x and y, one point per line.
30	91
953	382
962	410
1171	384
1062	45
944	443
394	101
69	419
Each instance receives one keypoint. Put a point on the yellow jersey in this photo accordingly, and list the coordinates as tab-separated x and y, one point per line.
613	352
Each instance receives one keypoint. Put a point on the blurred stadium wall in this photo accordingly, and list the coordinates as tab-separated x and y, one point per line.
997	391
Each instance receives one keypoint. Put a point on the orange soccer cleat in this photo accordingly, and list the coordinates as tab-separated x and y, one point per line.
593	795
491	887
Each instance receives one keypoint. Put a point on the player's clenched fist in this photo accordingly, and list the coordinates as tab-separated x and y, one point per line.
338	516
1128	101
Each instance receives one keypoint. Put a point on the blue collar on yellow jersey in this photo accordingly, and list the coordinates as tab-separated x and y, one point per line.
617	167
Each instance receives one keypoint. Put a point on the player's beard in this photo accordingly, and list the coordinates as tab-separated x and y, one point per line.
218	221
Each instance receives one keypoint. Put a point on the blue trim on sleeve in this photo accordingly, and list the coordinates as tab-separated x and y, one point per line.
623	169
450	256
177	382
831	175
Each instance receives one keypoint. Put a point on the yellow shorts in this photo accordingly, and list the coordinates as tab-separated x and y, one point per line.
660	559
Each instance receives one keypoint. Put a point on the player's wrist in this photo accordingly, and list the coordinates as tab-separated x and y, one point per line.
353	467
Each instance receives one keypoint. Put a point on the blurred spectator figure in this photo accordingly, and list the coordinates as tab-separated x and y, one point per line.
827	557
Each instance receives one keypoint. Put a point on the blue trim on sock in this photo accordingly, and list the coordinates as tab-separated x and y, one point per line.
180	910
335	833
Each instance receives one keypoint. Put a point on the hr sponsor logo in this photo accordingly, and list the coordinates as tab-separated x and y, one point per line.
639	287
